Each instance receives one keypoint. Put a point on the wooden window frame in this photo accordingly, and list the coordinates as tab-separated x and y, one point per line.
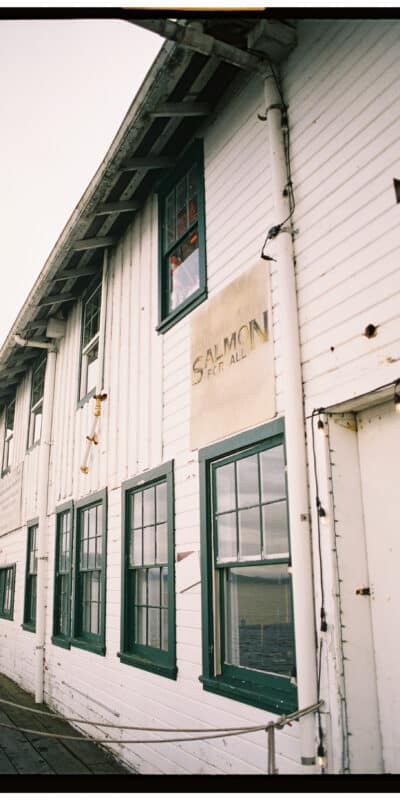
29	621
4	571
272	692
88	641
167	318
59	638
37	406
7	460
162	662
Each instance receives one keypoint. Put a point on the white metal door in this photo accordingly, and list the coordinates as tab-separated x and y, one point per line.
379	449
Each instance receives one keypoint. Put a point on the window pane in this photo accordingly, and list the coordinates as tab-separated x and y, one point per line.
153	587
181	207
140	625
170	219
161	495
91	553
149	550
154	627
226	536
92	362
249	533
183	266
273	474
225	480
247	475
137	510
63	587
141	587
192	195
276	535
149	506
162	544
135	553
37	426
258	619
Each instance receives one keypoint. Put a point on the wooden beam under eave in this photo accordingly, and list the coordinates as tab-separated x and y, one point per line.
79	272
115	208
148	162
181	110
92	244
56	298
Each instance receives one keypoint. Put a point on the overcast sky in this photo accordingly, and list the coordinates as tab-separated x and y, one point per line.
65	87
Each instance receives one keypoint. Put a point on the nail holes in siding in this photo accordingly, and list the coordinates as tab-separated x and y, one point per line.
370	331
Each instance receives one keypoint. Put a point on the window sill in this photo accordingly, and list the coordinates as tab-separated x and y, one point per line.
33	446
5	472
182	311
142	663
85	399
29	626
93	647
59	642
10	617
267	699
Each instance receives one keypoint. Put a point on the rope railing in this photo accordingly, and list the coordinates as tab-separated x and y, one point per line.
211	733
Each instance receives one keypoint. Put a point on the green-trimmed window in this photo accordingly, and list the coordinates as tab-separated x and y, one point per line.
36	410
63	576
31	577
7	587
148	593
8	447
247	599
90	344
182	273
90	573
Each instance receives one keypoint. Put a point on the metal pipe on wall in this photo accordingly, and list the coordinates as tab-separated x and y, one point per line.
304	616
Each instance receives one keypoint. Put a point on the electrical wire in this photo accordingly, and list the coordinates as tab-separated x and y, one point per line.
318	503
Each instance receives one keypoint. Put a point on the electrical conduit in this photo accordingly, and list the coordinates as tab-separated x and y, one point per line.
294	432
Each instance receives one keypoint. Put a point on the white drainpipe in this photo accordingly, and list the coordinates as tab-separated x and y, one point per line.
305	636
43	483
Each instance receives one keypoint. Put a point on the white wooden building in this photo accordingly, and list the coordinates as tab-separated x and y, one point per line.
150	577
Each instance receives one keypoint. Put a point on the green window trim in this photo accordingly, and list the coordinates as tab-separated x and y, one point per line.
7	591
63	575
174	245
38	375
29	620
249	684
138	494
8	444
90	346
89	578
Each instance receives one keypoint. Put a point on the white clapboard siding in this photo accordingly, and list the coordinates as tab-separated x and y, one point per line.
344	157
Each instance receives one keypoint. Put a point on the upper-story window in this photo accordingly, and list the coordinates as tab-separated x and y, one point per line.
182	282
36	412
90	342
8	449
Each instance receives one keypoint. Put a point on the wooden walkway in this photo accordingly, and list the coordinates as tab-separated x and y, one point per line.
28	754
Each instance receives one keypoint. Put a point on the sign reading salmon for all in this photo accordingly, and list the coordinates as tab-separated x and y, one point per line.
232	359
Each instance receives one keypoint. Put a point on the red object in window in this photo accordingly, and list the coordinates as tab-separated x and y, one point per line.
193	238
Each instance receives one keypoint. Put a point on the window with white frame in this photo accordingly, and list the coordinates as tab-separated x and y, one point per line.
90	342
36	410
7	584
8	448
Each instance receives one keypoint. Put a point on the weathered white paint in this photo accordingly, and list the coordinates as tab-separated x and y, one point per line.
340	85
